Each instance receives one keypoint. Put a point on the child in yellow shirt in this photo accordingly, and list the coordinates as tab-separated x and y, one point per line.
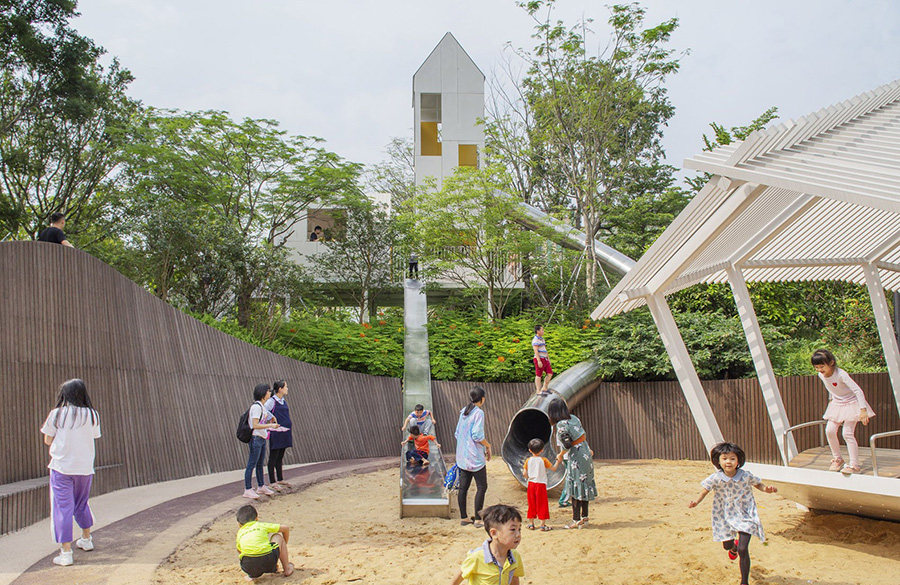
261	545
496	560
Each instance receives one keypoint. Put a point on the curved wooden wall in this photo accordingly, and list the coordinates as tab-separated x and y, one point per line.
169	389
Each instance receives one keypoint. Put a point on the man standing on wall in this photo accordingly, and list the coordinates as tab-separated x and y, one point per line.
54	233
413	266
541	360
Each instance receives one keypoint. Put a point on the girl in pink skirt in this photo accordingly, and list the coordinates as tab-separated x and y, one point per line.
846	406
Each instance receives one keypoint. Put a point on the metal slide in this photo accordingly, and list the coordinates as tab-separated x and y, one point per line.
422	491
531	421
569	237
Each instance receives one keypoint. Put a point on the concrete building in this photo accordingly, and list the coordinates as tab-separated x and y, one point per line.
448	102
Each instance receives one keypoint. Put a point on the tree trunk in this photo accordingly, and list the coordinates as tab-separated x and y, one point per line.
244	298
364	307
528	289
590	274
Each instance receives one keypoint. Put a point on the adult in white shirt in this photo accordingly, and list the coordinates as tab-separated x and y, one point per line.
261	420
70	431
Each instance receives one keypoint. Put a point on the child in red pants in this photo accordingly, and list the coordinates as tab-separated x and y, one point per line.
535	470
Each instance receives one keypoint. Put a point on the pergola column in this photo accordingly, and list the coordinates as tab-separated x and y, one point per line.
762	363
885	329
684	370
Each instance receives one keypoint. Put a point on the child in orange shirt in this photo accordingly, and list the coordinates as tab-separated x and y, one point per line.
419	452
535	469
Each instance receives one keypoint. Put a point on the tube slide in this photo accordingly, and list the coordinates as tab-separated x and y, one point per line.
532	421
576	382
569	237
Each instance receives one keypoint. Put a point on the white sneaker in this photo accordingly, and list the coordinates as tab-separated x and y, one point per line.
251	494
85	543
263	490
64	559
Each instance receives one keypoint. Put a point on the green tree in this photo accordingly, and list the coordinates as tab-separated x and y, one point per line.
396	175
50	163
62	117
45	63
250	180
357	260
723	136
465	234
583	130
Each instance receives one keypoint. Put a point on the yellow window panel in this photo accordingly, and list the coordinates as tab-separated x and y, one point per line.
468	155
431	146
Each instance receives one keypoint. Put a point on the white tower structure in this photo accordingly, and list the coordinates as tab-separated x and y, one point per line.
448	101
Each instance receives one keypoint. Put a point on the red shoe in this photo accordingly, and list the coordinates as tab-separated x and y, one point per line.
733	554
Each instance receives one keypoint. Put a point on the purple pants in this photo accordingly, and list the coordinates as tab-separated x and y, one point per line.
68	501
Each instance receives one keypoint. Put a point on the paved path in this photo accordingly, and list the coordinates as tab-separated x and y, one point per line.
131	544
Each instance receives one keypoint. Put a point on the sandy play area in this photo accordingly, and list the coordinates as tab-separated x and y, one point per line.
641	531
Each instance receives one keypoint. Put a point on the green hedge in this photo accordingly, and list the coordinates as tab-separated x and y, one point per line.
465	346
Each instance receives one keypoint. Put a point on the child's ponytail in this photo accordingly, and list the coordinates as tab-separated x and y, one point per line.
475	395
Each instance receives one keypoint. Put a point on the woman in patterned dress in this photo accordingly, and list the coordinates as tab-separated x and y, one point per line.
734	508
580	483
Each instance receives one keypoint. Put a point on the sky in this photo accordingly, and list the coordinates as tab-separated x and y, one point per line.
342	70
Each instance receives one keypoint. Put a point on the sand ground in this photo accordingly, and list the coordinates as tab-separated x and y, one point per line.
641	531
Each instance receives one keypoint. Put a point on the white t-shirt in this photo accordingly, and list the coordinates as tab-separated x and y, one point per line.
536	469
257	411
843	389
72	450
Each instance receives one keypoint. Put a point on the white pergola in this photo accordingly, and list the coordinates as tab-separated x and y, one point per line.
814	199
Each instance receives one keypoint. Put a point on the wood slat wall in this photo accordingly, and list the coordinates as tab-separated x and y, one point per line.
646	420
170	390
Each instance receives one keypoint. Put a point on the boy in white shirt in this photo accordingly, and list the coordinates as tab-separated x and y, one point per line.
535	470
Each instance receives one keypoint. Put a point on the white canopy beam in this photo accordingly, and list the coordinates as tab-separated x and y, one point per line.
888	266
875	199
718	222
762	363
885	329
801	262
884	248
684	370
778	224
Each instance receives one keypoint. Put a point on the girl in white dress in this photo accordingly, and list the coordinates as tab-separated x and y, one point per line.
846	406
734	508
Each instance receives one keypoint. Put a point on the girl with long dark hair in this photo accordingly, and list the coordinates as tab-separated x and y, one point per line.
70	431
472	453
279	440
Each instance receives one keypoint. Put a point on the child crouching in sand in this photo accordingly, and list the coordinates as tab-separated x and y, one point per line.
495	561
734	508
261	545
535	469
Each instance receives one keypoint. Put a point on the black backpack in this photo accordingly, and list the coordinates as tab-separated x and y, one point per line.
244	432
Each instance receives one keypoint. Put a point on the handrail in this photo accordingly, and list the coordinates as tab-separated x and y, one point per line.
872	439
790	430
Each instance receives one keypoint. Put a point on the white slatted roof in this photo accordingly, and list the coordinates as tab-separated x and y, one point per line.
814	199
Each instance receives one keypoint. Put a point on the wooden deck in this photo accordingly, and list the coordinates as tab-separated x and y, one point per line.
819	458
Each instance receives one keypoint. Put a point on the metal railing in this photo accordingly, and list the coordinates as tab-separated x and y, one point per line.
789	431
872	439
